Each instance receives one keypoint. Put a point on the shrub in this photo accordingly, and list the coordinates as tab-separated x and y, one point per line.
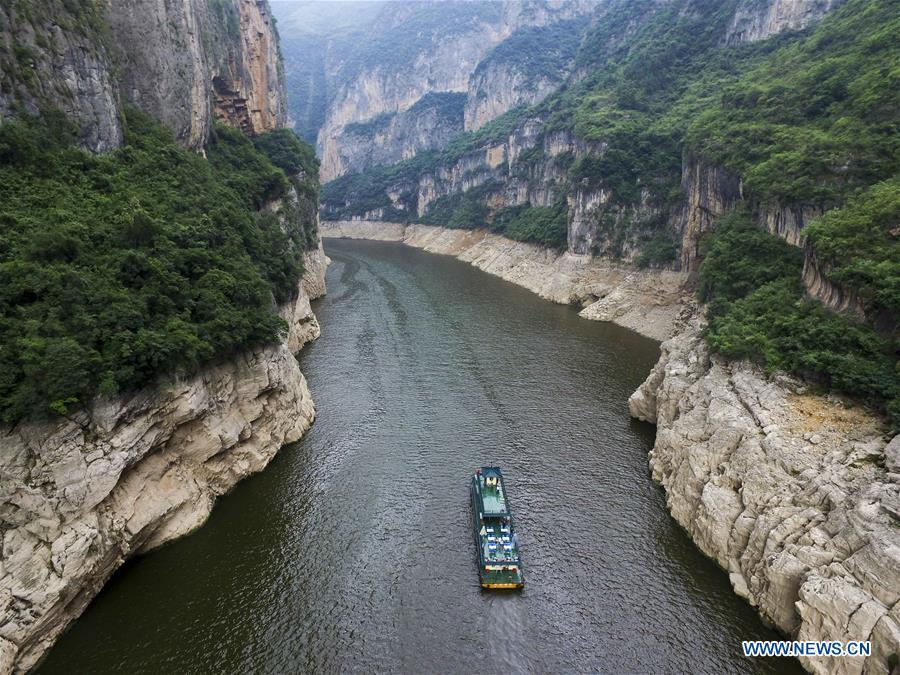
659	250
544	225
859	249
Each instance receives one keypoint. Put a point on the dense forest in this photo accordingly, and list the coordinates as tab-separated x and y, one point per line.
806	119
147	260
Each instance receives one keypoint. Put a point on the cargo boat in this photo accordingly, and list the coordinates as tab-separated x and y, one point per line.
499	564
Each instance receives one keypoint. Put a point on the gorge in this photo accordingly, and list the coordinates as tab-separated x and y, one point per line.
353	550
709	186
686	147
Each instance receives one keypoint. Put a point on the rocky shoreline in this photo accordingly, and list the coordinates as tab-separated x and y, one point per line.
78	496
796	496
648	302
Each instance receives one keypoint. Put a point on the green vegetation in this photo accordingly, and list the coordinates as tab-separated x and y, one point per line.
757	311
541	52
370	127
637	101
544	225
448	106
148	260
805	119
858	247
659	250
819	118
298	161
464	210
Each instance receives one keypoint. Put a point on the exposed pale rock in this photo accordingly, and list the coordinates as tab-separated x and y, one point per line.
185	62
438	64
79	495
302	323
756	20
647	302
767	482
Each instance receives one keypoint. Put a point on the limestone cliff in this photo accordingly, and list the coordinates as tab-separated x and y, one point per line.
522	70
186	63
441	54
192	61
709	192
527	166
544	154
796	496
50	54
432	122
754	21
80	494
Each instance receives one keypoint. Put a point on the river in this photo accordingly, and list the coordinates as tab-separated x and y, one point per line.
353	550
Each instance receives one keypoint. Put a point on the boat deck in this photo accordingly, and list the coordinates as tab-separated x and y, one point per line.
493	499
498	546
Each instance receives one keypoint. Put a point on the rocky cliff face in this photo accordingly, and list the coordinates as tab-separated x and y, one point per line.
754	21
529	167
794	495
501	87
189	62
441	60
431	123
522	70
531	162
382	90
709	192
184	62
51	55
80	495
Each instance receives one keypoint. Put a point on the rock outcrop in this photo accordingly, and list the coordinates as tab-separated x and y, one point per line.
708	193
505	80
54	57
185	63
438	62
80	495
820	287
431	123
754	20
796	496
537	158
193	61
646	302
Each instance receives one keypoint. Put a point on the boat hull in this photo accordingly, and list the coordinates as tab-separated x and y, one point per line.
494	574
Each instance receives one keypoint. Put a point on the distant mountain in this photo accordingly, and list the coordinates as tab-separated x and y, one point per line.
374	63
